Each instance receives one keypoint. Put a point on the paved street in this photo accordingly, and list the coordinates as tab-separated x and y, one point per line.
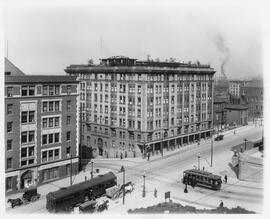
165	173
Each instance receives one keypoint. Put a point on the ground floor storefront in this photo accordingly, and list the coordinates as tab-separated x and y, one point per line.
19	180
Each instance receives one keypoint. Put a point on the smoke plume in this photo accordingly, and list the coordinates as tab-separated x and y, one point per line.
221	46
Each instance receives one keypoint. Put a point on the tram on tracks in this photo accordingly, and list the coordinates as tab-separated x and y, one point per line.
202	178
65	199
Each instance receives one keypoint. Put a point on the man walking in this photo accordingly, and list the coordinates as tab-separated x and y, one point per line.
225	179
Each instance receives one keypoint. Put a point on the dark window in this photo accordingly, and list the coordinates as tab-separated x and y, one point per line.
44	139
31	116
51	155
8	183
24	117
9	163
56	137
44	123
56	122
68	151
44	156
24	137
51	90
31	161
68	135
24	162
68	89
56	154
51	106
9	144
9	109
50	138
31	151
9	126
24	152
31	90
24	90
57	89
31	136
50	122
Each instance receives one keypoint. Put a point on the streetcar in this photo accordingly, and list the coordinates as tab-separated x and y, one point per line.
202	178
65	199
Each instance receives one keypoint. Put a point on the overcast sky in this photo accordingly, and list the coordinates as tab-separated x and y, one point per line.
46	39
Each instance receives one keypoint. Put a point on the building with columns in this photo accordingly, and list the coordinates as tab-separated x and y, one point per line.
131	107
41	129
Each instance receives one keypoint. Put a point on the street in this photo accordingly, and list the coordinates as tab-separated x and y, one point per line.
165	173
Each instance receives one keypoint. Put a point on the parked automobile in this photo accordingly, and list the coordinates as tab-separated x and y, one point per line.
219	138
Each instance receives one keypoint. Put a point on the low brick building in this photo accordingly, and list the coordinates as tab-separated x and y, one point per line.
236	115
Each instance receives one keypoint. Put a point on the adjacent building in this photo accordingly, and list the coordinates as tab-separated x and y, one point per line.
235	87
41	129
252	96
129	107
236	115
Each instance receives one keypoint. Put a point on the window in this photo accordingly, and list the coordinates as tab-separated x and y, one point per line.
31	116
68	89
57	89
9	91
24	117
45	106
9	127
44	123
31	136
44	139
9	144
68	120
24	137
23	152
24	90
9	109
9	163
50	138
45	90
68	136
68	151
51	106
68	105
56	122
50	122
51	90
31	90
57	103
56	137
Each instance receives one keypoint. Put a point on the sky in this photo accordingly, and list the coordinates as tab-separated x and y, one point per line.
46	38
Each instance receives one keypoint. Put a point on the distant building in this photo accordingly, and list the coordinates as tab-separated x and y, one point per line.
236	115
11	69
219	117
235	87
131	107
221	87
252	96
41	129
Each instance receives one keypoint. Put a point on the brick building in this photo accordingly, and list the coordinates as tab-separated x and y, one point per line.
236	115
41	129
130	107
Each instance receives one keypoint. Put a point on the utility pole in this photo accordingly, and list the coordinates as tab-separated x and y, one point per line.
124	192
212	151
80	144
143	195
71	170
245	144
199	161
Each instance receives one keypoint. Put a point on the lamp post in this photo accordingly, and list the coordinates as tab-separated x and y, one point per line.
212	142
245	144
92	163
199	161
124	192
143	194
69	156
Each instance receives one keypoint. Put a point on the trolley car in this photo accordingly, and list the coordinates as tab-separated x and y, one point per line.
65	199
202	178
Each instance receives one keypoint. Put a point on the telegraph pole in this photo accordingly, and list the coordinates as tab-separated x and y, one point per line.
143	195
71	170
124	192
212	151
92	169
199	161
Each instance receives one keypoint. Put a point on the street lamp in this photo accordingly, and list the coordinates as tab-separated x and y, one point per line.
143	194
69	156
199	161
212	142
123	169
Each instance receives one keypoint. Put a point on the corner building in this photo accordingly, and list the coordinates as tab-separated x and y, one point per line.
132	107
41	126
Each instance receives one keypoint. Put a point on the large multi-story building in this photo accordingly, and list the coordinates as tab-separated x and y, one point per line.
41	129
131	106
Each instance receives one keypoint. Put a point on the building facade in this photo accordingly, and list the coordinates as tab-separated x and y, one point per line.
41	129
235	87
252	96
131	107
236	115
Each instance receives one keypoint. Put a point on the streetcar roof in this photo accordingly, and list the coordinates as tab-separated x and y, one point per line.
202	173
81	186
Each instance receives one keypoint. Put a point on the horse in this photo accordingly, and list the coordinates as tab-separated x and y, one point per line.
15	202
129	187
103	206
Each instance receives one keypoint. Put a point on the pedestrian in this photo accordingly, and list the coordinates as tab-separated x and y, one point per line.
148	156
155	193
185	190
85	178
225	179
221	204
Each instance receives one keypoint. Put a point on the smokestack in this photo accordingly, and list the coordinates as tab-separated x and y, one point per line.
221	47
